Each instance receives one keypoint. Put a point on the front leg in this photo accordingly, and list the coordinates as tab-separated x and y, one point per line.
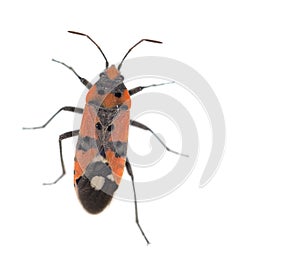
85	82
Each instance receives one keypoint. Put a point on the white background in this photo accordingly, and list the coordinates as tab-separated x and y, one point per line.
249	53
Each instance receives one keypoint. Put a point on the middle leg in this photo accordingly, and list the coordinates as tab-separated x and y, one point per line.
62	137
144	127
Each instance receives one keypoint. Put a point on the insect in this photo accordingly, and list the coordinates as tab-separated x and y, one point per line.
101	150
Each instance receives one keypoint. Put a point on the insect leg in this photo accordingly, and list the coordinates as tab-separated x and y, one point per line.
86	83
140	88
129	170
67	108
62	137
144	127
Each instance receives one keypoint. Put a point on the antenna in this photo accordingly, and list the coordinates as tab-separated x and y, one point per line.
81	34
148	40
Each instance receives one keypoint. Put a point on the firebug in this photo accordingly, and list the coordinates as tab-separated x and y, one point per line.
101	150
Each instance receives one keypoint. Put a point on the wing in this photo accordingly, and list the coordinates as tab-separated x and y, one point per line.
93	178
100	155
117	141
86	148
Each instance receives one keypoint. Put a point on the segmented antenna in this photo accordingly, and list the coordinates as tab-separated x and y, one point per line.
148	40
81	34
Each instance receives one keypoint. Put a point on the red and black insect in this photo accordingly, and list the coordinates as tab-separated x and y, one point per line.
101	151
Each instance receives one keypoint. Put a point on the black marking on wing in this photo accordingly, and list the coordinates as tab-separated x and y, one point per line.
119	147
85	143
97	169
118	90
106	117
101	150
94	201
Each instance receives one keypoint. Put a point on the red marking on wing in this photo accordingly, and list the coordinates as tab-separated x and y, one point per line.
108	100
89	119
111	100
121	127
85	157
117	165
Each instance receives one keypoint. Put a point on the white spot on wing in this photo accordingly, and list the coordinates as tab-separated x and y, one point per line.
99	158
110	177
97	182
